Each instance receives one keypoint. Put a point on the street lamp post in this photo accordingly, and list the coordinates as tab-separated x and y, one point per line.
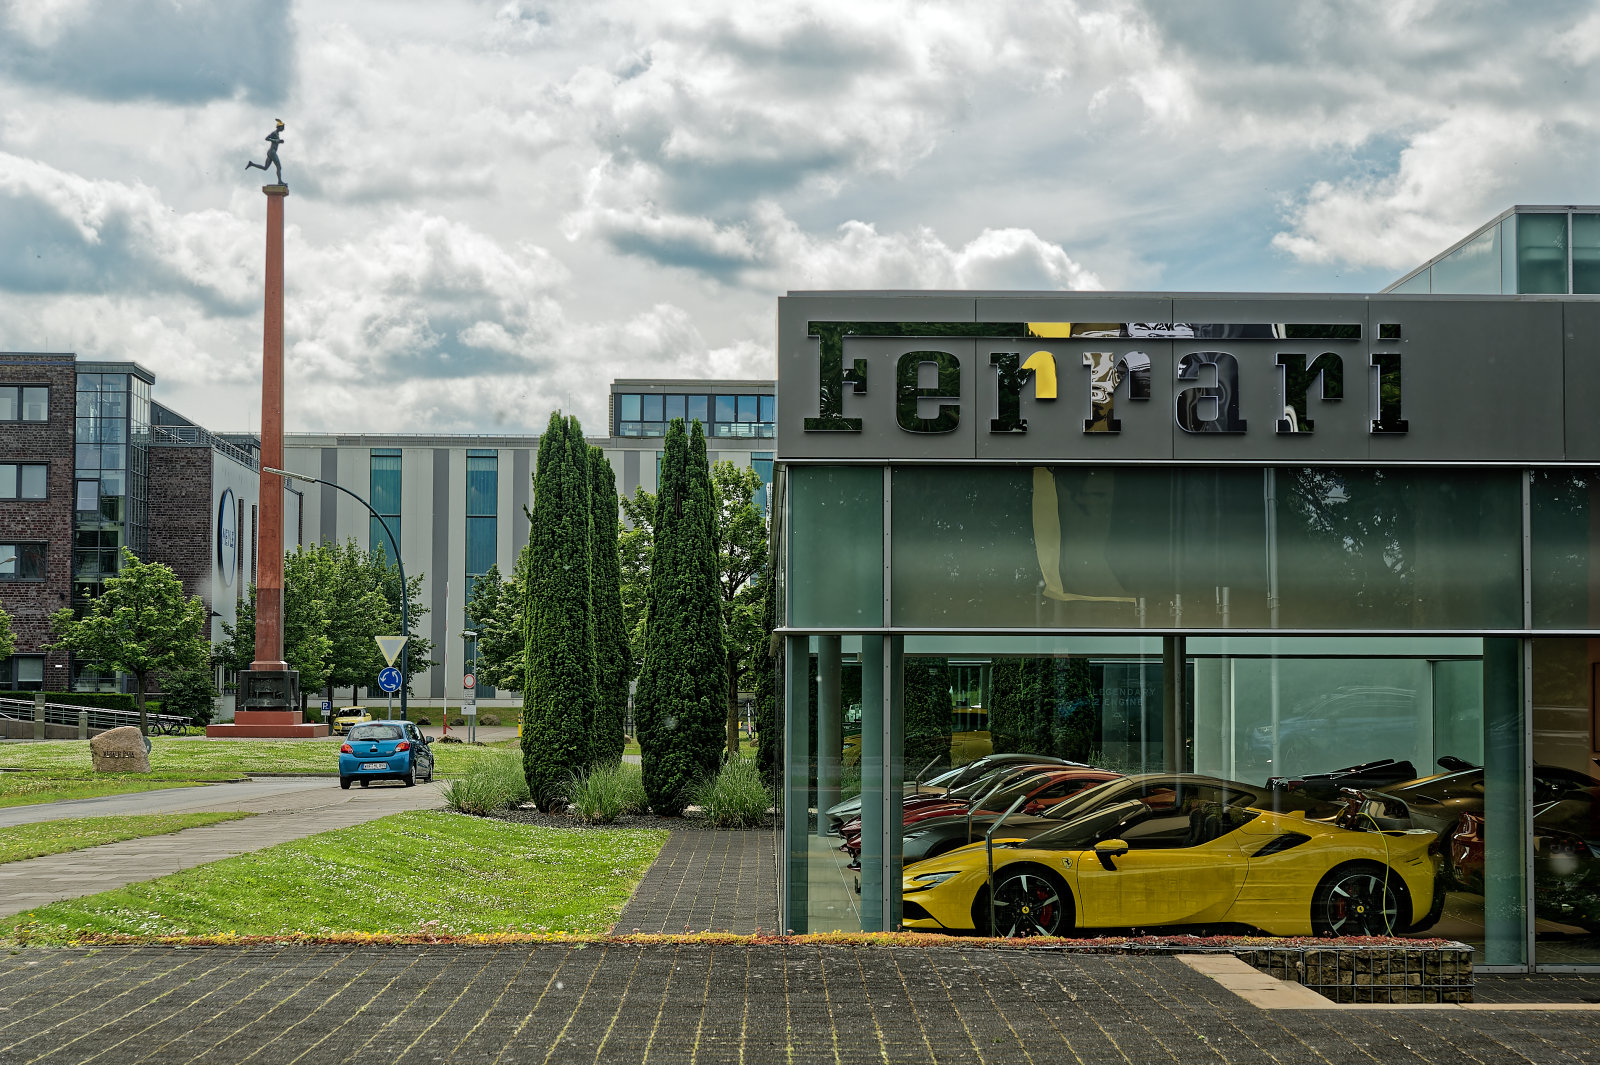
472	722
405	613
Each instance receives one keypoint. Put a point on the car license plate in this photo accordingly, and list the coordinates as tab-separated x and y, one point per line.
374	765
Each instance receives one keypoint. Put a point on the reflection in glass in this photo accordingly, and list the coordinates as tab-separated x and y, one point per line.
1541	253
1107	371
909	392
1586	253
1566	548
1473	267
1212	408
1389	394
1566	802
1297	380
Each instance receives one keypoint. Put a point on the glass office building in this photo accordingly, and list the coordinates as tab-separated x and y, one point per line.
1209	548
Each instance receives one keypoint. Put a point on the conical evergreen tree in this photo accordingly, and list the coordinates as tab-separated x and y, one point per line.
560	693
929	713
769	728
679	700
613	659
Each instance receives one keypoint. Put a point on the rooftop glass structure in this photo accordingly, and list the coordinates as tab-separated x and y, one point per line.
1526	250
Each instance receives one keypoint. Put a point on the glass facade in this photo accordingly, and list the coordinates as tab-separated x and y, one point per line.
736	415
483	495
1315	629
384	492
110	490
1154	547
1529	252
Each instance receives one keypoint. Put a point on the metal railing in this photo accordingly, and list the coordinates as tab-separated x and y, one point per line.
180	435
100	718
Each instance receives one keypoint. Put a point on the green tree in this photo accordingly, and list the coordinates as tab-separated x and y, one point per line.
769	726
558	703
140	624
929	713
495	610
8	642
679	700
418	647
635	542
189	693
357	611
741	539
612	653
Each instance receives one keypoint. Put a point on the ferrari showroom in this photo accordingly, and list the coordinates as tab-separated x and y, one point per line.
1237	614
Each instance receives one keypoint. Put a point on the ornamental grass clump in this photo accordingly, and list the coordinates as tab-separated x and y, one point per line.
606	792
492	783
736	797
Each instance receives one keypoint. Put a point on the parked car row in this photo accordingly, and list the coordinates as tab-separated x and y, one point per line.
1368	849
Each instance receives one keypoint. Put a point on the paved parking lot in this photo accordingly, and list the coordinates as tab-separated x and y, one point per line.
700	1003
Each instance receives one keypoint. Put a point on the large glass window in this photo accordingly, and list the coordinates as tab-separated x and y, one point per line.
22	480
22	562
1566	548
1566	802
1586	253
28	403
483	495
743	416
836	546
1473	267
1541	253
1086	547
22	673
385	494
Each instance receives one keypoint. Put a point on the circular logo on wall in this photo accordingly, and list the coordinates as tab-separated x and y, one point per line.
227	537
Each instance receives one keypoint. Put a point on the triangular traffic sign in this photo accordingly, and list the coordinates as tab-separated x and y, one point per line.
390	646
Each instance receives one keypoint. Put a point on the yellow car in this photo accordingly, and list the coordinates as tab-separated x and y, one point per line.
1192	859
346	717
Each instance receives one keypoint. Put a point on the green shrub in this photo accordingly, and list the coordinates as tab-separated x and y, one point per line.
493	782
424	721
457	721
489	720
736	797
606	792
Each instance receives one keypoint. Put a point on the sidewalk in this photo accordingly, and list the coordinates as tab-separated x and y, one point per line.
287	810
695	1003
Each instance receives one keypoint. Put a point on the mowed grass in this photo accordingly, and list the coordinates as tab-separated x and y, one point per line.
218	759
410	872
20	842
23	789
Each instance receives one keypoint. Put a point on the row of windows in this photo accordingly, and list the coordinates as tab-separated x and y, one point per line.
728	416
24	403
384	492
24	480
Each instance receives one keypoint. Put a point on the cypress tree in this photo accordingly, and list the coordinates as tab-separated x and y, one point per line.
679	700
560	692
769	729
929	713
613	659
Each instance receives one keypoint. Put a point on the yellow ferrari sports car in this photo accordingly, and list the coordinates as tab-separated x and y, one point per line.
1193	859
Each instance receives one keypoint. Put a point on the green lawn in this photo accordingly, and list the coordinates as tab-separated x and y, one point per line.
58	837
409	872
24	789
207	759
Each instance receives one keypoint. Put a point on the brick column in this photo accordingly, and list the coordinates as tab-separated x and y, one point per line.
269	566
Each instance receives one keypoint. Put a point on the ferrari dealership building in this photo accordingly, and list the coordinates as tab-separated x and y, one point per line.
1244	536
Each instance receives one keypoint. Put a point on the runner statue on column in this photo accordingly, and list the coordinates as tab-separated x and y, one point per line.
274	138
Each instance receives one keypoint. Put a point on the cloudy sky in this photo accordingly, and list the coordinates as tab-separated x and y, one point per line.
498	206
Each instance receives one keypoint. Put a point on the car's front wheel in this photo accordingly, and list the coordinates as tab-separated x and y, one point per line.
1358	899
1027	902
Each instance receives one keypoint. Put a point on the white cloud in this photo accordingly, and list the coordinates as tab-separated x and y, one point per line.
1446	177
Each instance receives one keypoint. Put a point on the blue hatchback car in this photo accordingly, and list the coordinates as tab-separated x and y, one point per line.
385	750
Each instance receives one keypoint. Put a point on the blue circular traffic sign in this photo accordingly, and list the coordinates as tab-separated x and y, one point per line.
389	679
